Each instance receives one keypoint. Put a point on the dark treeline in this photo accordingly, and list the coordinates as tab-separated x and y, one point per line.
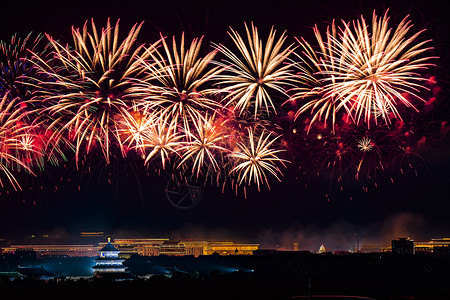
275	276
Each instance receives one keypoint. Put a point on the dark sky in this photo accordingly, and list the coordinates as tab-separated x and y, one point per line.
135	203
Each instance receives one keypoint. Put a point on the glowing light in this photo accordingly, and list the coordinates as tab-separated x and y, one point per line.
176	81
203	145
364	71
255	71
257	157
12	135
89	86
365	144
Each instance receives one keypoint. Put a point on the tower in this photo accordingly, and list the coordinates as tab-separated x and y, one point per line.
322	249
108	264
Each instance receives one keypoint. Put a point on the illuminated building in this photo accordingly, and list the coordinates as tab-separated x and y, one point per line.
403	246
229	248
172	248
155	247
435	246
109	261
92	234
322	249
55	250
195	248
143	247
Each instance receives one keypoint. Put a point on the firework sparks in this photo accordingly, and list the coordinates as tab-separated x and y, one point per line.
365	144
255	159
15	66
367	73
89	85
131	128
202	146
258	71
18	76
176	82
161	138
201	117
14	141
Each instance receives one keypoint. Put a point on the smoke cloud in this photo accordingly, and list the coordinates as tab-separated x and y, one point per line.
345	236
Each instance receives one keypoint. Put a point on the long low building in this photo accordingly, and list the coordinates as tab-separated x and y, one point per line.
143	247
155	247
55	250
432	246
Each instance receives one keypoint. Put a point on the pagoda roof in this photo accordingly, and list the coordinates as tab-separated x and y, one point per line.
33	271
109	259
109	267
109	248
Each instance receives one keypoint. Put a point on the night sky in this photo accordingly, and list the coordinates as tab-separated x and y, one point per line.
123	199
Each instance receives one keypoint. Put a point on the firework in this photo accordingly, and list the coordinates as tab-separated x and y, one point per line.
205	144
15	66
257	157
130	129
18	76
88	85
256	71
365	144
194	116
367	73
160	138
15	143
176	81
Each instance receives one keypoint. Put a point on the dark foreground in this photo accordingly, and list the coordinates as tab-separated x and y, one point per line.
272	276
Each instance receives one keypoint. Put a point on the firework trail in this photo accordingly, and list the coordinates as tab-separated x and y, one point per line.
13	142
15	66
256	158
351	107
367	72
18	76
162	138
204	144
88	85
256	71
176	82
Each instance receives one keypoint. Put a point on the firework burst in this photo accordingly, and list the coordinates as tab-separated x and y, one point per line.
203	145
88	85
15	66
194	116
366	72
131	128
176	81
18	76
160	138
256	72
15	143
256	158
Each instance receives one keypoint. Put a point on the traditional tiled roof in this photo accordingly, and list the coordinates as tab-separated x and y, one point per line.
109	248
109	267
106	258
33	271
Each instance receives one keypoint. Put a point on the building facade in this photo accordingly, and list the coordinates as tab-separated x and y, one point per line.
155	247
56	250
109	260
436	246
142	247
402	246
